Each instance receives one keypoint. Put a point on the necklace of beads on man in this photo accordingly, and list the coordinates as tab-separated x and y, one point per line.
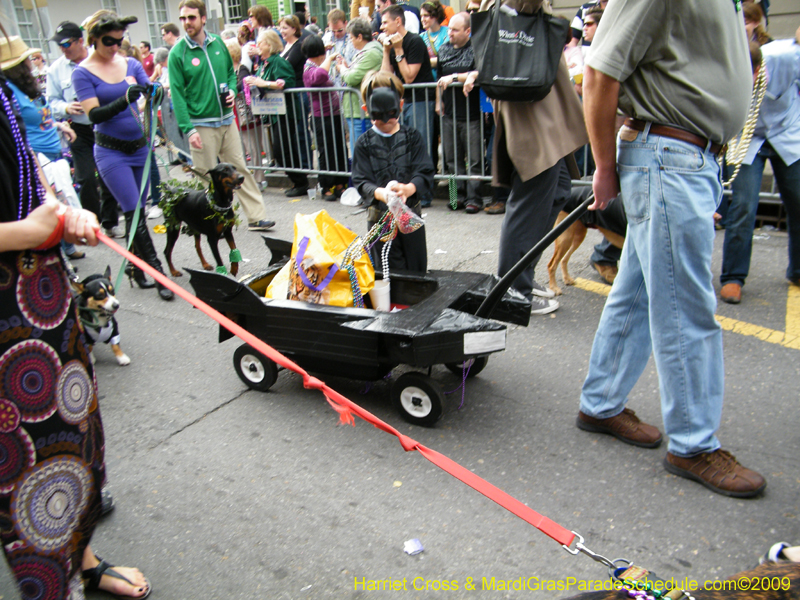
737	147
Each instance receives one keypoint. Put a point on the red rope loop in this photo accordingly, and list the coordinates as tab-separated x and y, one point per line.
56	235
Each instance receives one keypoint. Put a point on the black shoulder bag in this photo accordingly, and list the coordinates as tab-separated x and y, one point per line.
517	55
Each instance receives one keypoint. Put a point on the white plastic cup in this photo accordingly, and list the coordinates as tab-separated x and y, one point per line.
312	193
380	296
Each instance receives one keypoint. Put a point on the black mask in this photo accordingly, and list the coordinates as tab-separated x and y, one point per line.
109	41
383	104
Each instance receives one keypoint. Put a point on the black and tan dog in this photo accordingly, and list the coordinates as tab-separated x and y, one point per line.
209	213
611	222
97	306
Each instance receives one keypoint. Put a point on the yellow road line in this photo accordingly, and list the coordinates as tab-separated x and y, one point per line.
788	339
592	286
793	311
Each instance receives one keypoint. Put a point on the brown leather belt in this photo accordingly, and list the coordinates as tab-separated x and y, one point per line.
675	133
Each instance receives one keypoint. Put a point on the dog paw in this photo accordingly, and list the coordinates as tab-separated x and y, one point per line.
208	267
176	273
569	281
556	290
123	360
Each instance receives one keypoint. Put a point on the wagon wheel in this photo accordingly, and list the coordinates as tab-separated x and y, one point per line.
418	398
475	365
254	369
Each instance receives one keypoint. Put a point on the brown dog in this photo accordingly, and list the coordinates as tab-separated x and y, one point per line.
611	222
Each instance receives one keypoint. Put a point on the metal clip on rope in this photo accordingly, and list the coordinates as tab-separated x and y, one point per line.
580	547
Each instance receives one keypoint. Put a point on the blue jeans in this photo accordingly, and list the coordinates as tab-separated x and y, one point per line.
741	217
663	299
357	128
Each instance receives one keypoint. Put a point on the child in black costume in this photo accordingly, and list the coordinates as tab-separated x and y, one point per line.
391	152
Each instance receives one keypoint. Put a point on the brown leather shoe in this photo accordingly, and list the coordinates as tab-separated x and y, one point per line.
607	271
719	471
626	427
731	293
496	208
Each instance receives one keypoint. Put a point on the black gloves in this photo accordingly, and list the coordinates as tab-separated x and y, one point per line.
101	114
137	90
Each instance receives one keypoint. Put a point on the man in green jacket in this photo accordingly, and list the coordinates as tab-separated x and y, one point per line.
199	64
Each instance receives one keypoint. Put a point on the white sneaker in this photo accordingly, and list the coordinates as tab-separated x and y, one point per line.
114	232
155	213
542	291
543	306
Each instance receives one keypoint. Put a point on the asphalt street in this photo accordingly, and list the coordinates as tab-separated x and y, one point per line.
223	493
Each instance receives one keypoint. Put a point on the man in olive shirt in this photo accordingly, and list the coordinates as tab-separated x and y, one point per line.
684	98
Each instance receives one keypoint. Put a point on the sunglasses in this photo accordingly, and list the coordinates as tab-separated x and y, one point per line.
67	43
109	41
472	10
338	30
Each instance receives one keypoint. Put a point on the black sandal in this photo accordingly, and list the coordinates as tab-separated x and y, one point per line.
92	578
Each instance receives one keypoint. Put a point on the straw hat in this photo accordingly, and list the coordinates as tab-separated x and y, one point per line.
13	51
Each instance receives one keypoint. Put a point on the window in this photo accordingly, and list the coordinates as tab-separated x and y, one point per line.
112	5
156	17
236	12
27	25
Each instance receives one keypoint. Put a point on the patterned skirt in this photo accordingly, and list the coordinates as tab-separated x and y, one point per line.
51	436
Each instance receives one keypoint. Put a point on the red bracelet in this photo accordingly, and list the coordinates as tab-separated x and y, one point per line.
57	234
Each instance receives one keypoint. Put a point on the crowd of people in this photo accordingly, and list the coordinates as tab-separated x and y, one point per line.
661	159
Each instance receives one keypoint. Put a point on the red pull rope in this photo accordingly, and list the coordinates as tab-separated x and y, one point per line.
346	408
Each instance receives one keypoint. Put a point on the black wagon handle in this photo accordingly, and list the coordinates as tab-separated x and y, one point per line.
496	293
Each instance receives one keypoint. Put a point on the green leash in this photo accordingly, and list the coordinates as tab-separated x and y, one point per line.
150	115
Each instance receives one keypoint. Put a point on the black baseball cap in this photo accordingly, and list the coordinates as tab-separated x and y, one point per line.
67	30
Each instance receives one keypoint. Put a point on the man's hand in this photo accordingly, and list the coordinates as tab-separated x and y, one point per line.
605	185
195	141
231	98
74	108
68	132
445	81
396	41
469	83
600	94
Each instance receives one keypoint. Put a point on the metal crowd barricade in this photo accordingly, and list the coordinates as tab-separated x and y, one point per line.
296	141
324	135
259	138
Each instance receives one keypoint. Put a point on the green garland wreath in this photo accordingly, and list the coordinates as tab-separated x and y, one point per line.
173	190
